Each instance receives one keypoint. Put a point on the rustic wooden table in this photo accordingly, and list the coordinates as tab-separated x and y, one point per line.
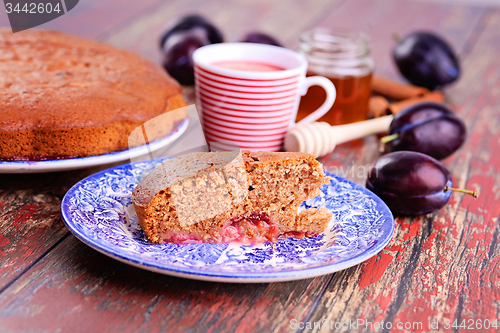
443	266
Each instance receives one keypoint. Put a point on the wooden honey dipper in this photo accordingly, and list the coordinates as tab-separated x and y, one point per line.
320	138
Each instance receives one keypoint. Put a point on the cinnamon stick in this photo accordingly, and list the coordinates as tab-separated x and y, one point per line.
434	96
378	106
395	90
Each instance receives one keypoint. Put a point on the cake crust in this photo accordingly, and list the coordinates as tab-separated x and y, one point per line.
64	96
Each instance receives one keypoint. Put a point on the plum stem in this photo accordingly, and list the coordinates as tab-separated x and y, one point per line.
389	138
473	193
397	37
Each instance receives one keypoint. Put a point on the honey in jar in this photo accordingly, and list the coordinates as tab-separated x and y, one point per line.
344	58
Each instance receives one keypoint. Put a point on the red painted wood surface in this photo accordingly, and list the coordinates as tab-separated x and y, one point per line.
85	290
30	218
440	266
284	19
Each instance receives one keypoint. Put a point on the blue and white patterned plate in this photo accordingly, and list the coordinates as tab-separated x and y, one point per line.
90	161
98	210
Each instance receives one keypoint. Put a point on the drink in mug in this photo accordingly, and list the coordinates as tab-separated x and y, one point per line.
249	66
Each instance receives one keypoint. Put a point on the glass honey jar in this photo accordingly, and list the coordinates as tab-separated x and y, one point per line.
344	58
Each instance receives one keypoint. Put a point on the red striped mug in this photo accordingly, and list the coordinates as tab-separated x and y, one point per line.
252	108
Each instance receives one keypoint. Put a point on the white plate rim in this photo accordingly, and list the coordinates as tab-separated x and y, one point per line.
91	161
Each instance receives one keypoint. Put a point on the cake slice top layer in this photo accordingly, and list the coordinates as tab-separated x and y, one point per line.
174	171
52	80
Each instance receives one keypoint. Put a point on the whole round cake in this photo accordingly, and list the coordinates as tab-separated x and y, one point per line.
65	97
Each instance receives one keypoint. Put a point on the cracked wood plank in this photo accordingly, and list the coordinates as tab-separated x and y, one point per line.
98	292
87	291
283	19
444	265
30	218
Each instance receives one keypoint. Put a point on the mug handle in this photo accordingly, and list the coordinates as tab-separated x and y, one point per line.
331	94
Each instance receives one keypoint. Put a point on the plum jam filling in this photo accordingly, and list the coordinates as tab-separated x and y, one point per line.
254	228
250	229
181	237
